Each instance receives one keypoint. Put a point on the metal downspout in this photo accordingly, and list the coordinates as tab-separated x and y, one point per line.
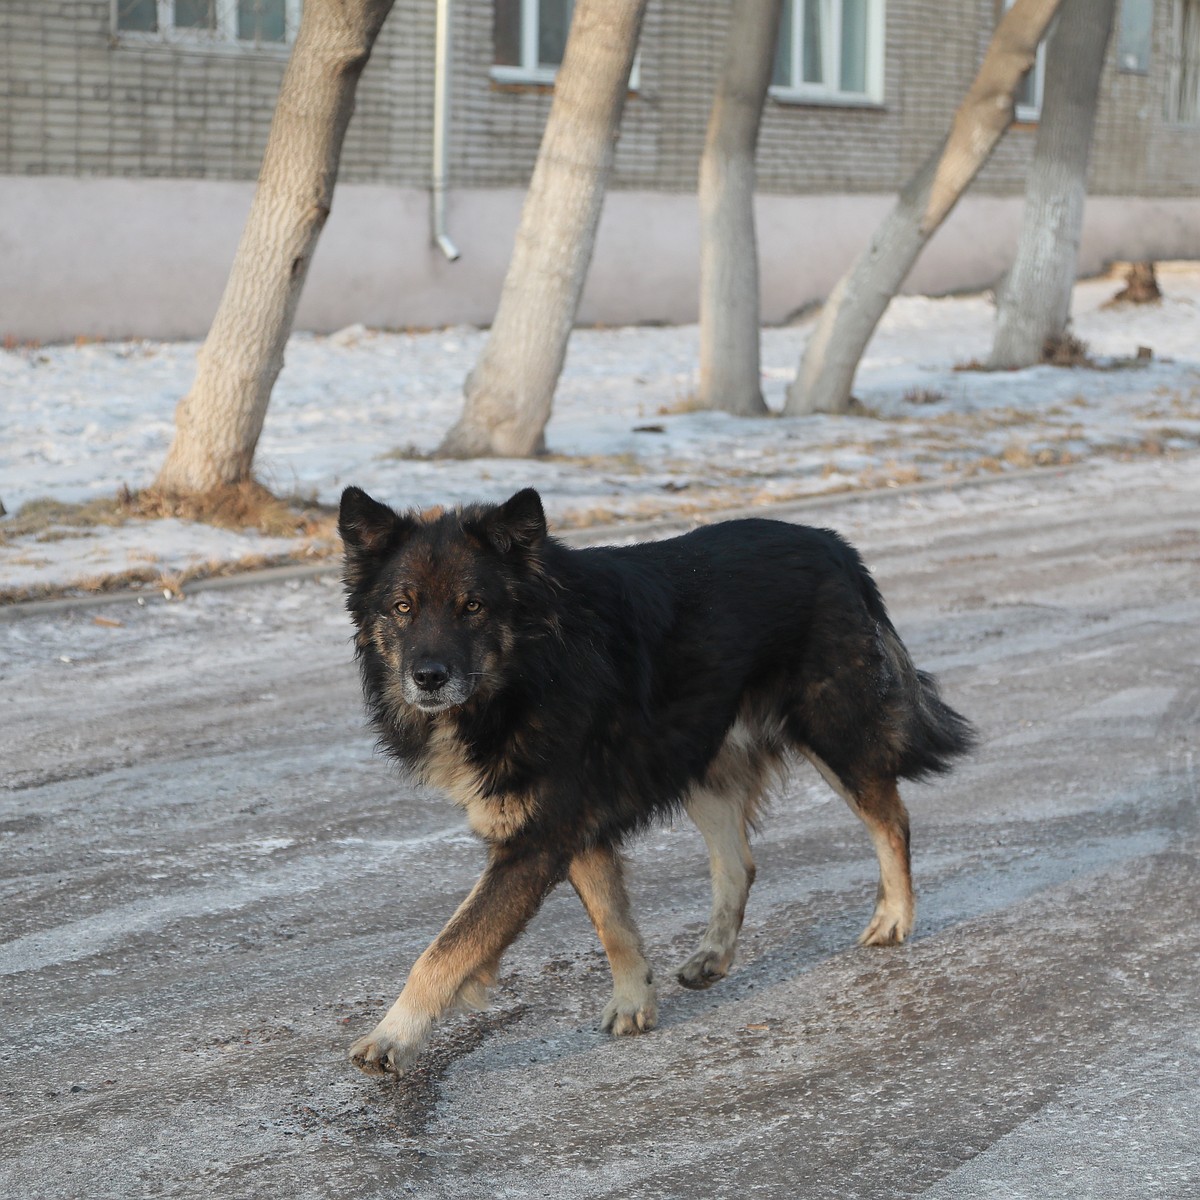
441	129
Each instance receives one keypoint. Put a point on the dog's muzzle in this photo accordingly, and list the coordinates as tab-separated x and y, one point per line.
432	686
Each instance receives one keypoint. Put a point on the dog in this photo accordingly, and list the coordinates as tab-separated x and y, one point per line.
566	698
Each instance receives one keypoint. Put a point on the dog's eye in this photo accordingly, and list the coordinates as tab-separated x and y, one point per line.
402	607
472	607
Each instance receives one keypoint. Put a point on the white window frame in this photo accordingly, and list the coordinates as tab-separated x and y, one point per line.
530	70
826	93
224	37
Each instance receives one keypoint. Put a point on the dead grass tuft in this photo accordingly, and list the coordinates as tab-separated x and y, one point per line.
246	505
42	518
919	395
1066	351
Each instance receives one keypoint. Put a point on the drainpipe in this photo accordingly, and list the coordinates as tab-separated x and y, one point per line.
441	129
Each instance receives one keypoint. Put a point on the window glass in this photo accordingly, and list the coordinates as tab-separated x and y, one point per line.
139	15
1133	36
506	33
854	46
782	75
195	14
554	19
813	69
262	20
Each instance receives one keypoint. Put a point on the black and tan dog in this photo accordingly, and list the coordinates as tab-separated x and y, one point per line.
565	698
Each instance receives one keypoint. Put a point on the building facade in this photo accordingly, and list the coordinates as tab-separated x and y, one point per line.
132	131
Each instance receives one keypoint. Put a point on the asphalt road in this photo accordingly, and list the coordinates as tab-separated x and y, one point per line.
209	885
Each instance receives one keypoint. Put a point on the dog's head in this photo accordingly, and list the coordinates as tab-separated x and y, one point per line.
436	595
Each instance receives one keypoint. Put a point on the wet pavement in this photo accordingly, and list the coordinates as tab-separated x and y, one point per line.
209	885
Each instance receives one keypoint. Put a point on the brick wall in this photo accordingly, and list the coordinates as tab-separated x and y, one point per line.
77	102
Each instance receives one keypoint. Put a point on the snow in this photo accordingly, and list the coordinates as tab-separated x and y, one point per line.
367	407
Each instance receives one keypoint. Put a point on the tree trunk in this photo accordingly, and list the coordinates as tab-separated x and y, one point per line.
861	296
729	301
510	391
217	424
1035	302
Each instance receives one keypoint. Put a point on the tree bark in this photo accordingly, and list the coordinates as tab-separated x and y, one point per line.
861	296
510	391
1035	302
730	366
217	424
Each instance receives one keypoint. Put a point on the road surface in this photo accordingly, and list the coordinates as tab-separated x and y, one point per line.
210	885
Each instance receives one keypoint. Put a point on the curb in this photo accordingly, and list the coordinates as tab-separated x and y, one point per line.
648	530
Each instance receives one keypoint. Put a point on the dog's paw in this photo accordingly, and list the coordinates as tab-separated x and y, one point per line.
630	1013
390	1048
704	968
888	927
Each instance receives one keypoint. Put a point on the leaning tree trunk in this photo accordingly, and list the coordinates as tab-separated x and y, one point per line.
510	391
729	303
861	296
218	422
1035	302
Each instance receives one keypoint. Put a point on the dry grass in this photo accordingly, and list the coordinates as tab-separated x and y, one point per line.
1066	351
48	520
246	505
238	506
170	584
923	396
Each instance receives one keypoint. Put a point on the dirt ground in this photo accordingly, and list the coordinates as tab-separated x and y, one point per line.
210	885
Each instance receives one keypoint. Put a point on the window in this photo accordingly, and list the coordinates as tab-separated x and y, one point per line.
830	51
530	36
1028	96
246	23
1183	83
1134	28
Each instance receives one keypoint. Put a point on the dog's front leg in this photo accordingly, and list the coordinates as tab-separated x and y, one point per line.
596	875
461	959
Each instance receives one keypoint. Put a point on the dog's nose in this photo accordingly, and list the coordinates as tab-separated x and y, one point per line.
429	674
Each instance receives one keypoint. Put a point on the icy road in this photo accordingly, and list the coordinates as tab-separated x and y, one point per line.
209	885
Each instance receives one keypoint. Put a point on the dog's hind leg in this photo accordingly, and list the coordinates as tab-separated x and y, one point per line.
722	821
461	959
878	805
596	875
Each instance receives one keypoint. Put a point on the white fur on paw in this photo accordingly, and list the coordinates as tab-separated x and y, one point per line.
888	927
392	1046
630	1012
704	968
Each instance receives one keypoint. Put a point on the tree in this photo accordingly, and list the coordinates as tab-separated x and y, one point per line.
1035	302
217	424
729	301
861	296
508	395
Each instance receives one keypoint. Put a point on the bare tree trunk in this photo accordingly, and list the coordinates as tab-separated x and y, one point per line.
1035	302
729	303
510	391
861	296
218	422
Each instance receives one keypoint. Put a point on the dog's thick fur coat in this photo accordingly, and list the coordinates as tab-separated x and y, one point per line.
565	698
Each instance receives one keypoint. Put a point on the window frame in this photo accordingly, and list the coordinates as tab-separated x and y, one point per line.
530	71
222	38
825	94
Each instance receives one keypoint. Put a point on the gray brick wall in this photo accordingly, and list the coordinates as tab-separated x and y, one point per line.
74	101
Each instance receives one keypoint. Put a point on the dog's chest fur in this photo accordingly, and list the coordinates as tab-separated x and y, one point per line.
494	815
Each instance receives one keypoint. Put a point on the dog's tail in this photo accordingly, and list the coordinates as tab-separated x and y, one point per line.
925	732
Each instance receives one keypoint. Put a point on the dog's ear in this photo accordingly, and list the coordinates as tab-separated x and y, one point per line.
517	524
369	529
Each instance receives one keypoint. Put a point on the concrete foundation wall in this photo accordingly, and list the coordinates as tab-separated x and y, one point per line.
102	257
